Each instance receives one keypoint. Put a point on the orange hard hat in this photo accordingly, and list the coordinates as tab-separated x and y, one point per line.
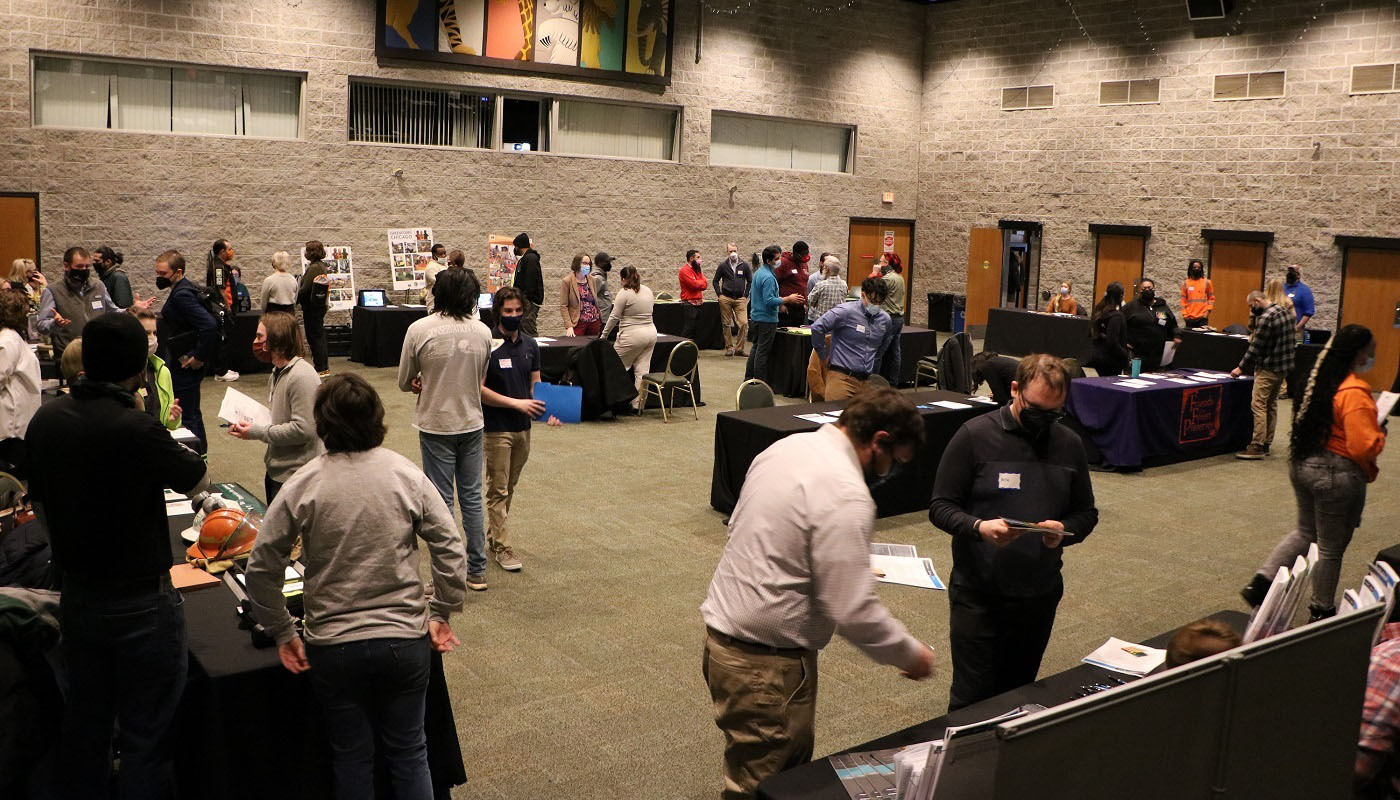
226	533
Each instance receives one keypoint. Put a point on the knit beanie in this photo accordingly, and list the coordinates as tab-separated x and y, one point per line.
114	347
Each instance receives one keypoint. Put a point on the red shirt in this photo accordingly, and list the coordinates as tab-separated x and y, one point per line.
693	285
791	273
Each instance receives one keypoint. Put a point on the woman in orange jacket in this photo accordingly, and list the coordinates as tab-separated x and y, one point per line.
1197	296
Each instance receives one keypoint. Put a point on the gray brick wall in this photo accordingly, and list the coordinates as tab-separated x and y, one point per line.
144	193
1184	164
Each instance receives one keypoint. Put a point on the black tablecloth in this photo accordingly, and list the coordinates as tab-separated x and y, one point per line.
741	435
249	728
670	318
376	336
1218	351
554	359
787	364
817	780
1015	332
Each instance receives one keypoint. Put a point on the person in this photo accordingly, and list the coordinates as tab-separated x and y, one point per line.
1274	293
507	401
313	295
441	260
1110	355
795	570
291	438
216	270
279	290
577	303
1336	440
1197	296
731	283
1063	302
1150	324
371	625
602	290
193	341
242	298
444	363
636	331
860	334
1200	639
1301	295
123	630
890	363
815	277
70	362
158	393
108	263
765	305
693	286
1014	463
26	277
1377	770
529	279
1270	355
20	383
828	293
791	273
67	305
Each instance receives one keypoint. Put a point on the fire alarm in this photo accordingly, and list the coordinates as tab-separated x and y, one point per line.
889	197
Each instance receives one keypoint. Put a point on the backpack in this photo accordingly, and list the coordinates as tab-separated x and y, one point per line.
225	320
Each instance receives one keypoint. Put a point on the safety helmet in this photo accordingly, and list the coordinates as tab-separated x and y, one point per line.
225	533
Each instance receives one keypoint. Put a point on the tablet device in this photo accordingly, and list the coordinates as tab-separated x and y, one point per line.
372	298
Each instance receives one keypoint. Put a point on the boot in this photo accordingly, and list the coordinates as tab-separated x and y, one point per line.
1316	613
1253	593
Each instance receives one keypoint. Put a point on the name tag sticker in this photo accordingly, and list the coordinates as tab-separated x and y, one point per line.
1008	480
860	329
505	363
97	305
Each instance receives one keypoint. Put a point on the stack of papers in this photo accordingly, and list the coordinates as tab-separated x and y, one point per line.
1126	657
1384	405
900	563
239	407
1135	383
983	399
543	339
820	419
944	404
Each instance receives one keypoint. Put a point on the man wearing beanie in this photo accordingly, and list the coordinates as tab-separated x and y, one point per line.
123	630
530	281
791	273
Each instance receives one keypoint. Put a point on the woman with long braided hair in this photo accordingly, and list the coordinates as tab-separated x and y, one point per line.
1334	445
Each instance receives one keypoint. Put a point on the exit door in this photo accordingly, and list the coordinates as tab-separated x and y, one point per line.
1235	270
19	228
1118	259
869	238
984	274
1371	297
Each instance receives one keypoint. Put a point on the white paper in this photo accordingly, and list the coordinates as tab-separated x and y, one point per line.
1181	380
543	339
1384	405
883	549
185	436
1134	383
983	399
1168	353
949	404
820	419
239	407
178	507
917	572
1214	376
1126	657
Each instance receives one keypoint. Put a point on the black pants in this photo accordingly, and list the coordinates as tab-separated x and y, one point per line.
270	487
315	320
761	334
690	316
793	316
996	641
185	384
286	308
1196	322
530	323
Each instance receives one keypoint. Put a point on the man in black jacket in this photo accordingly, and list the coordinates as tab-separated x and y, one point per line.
193	341
530	281
1013	464
123	629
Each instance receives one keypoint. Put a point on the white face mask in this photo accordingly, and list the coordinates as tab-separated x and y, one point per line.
1365	366
1064	290
152	344
733	258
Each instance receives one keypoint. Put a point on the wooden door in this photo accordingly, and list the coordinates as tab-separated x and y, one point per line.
1235	270
1117	258
19	229
1370	297
983	273
867	242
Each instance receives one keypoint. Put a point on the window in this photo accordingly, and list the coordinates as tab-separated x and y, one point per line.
1018	98
127	96
1118	93
608	129
743	141
1249	86
1375	78
385	114
524	124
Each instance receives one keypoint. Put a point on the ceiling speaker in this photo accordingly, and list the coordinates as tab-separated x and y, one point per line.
1208	9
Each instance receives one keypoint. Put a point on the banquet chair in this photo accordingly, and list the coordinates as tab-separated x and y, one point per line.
680	370
753	393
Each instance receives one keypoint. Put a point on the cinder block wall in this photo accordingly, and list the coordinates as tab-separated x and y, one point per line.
1181	165
143	193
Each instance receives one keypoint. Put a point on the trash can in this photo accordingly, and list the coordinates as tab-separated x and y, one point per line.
940	311
959	313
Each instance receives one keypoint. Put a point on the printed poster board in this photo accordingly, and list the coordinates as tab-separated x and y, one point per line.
340	270
410	250
500	262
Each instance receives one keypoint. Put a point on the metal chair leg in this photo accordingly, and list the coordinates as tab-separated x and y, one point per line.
690	387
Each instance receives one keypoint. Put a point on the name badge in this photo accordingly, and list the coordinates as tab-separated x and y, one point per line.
860	329
1008	480
97	305
1161	319
505	363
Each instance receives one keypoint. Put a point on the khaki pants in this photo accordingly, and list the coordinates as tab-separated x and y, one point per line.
840	386
734	311
1264	404
766	707
634	346
816	374
506	454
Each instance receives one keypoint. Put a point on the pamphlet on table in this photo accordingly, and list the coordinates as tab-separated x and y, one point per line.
901	564
1126	657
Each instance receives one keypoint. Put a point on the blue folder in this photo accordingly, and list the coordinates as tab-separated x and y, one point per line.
564	402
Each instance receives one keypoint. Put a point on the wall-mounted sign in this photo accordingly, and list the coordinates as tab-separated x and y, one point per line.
889	242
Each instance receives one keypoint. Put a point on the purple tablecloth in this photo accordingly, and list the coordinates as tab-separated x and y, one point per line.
1165	422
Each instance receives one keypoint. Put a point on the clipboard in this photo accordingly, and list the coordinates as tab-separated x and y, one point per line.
563	402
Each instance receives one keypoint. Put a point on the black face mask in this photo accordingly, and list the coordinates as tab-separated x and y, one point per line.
1292	276
1037	422
78	276
874	481
163	282
1197	272
1256	311
1147	296
511	324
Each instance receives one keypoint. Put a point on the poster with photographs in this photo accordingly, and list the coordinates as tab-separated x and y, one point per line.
500	262
410	250
340	273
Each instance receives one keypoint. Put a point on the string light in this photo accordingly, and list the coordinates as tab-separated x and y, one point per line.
745	5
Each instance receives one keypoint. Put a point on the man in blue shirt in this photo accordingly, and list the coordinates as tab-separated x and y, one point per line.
1301	295
193	341
764	305
860	333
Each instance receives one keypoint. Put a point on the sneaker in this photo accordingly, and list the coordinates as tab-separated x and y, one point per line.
1254	593
323	374
477	583
728	352
507	559
741	354
228	376
1317	613
1252	453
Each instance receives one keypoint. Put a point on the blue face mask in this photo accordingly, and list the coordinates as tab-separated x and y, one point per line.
584	270
869	309
1366	365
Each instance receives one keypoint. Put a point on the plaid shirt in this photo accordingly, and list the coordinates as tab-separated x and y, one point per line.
1376	757
826	295
1271	346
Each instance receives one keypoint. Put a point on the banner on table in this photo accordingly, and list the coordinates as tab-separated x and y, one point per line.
410	250
1200	414
340	272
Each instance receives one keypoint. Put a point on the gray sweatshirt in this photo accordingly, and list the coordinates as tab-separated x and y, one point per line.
291	438
450	356
359	516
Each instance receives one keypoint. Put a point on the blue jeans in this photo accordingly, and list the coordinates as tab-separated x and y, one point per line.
375	691
184	383
890	364
458	458
1331	494
125	657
